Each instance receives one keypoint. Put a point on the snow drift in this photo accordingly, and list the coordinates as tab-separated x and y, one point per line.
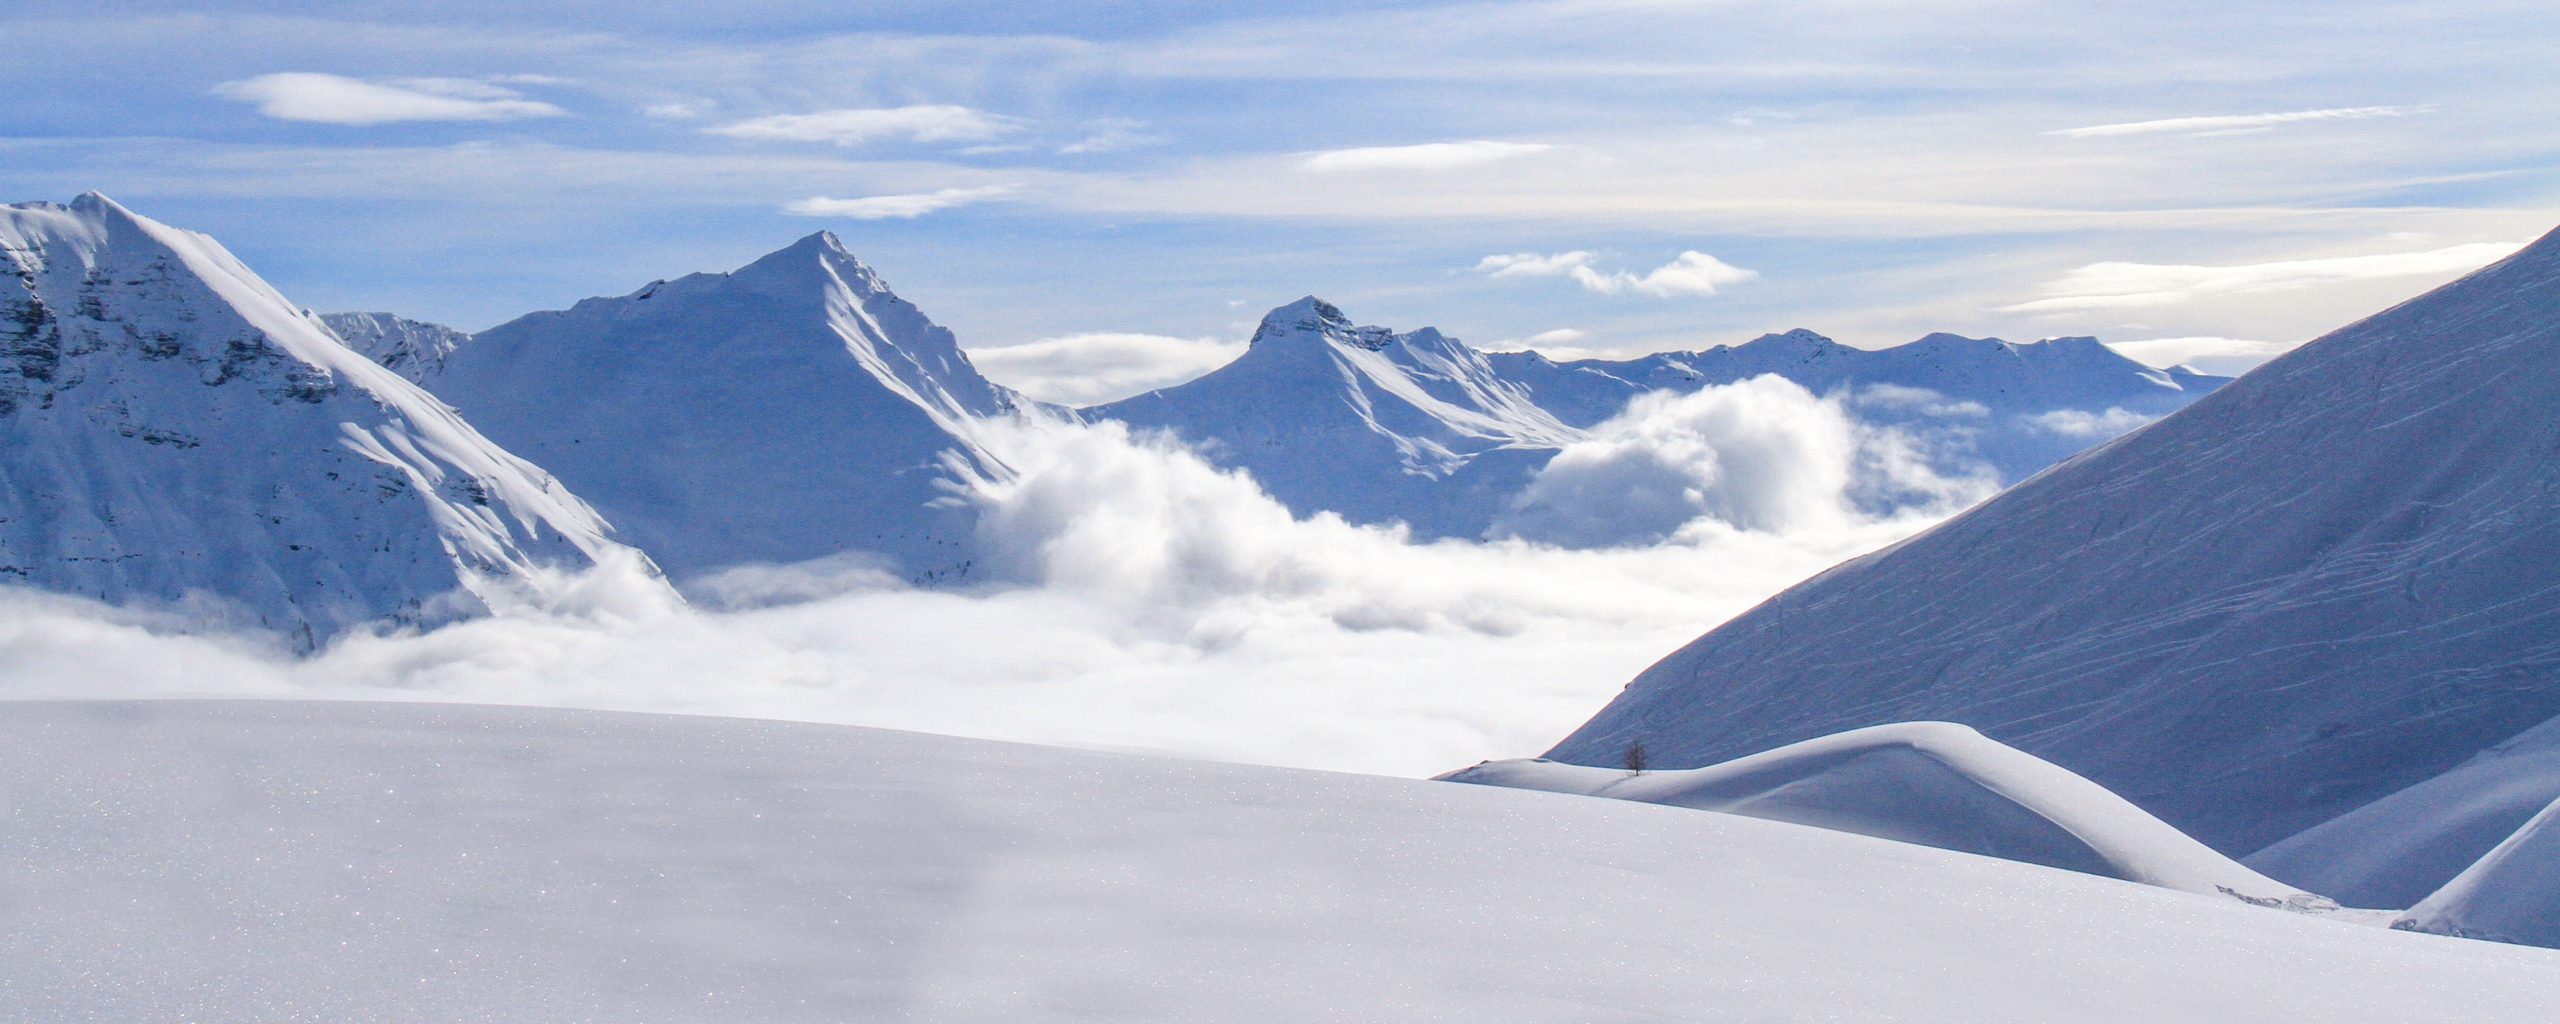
1935	784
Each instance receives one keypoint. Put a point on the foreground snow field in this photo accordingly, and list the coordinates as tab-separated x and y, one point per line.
242	861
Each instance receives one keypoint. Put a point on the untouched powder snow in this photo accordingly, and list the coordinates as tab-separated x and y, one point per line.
432	863
171	428
1364	422
2311	589
1932	783
790	410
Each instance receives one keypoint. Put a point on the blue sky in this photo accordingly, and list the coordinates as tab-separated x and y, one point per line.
1148	177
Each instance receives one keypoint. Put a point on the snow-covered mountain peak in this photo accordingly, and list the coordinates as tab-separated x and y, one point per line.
790	409
1315	319
221	440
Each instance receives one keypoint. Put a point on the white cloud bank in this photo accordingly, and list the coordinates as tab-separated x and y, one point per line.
1096	367
1137	597
854	127
2105	286
1761	455
1429	156
1692	273
904	206
2230	356
2233	124
336	99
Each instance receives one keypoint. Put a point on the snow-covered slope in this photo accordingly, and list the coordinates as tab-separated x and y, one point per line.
2512	894
414	349
2020	407
2394	851
1362	421
1932	783
789	410
2317	586
435	863
171	426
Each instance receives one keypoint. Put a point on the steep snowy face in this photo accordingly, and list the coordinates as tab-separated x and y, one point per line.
171	426
790	410
2019	407
1362	421
414	349
2314	587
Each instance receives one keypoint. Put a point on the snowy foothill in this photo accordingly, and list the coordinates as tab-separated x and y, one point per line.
426	863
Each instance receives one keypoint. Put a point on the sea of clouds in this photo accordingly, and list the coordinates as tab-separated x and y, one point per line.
1134	596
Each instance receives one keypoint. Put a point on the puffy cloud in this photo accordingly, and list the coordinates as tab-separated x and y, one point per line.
2108	286
906	206
1097	367
1762	455
2232	124
1692	273
1429	156
1143	599
336	99
854	127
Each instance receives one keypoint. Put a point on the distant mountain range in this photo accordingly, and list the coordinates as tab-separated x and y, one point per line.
178	428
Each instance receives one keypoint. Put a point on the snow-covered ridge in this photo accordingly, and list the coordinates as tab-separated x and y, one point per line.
175	428
1932	783
414	349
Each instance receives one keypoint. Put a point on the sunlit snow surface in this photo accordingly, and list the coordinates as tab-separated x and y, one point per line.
1933	783
413	863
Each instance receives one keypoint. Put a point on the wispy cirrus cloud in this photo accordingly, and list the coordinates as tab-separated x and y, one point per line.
905	206
940	122
337	99
2228	124
1692	273
2104	286
1428	156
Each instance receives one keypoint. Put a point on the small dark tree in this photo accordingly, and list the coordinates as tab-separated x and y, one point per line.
1635	758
